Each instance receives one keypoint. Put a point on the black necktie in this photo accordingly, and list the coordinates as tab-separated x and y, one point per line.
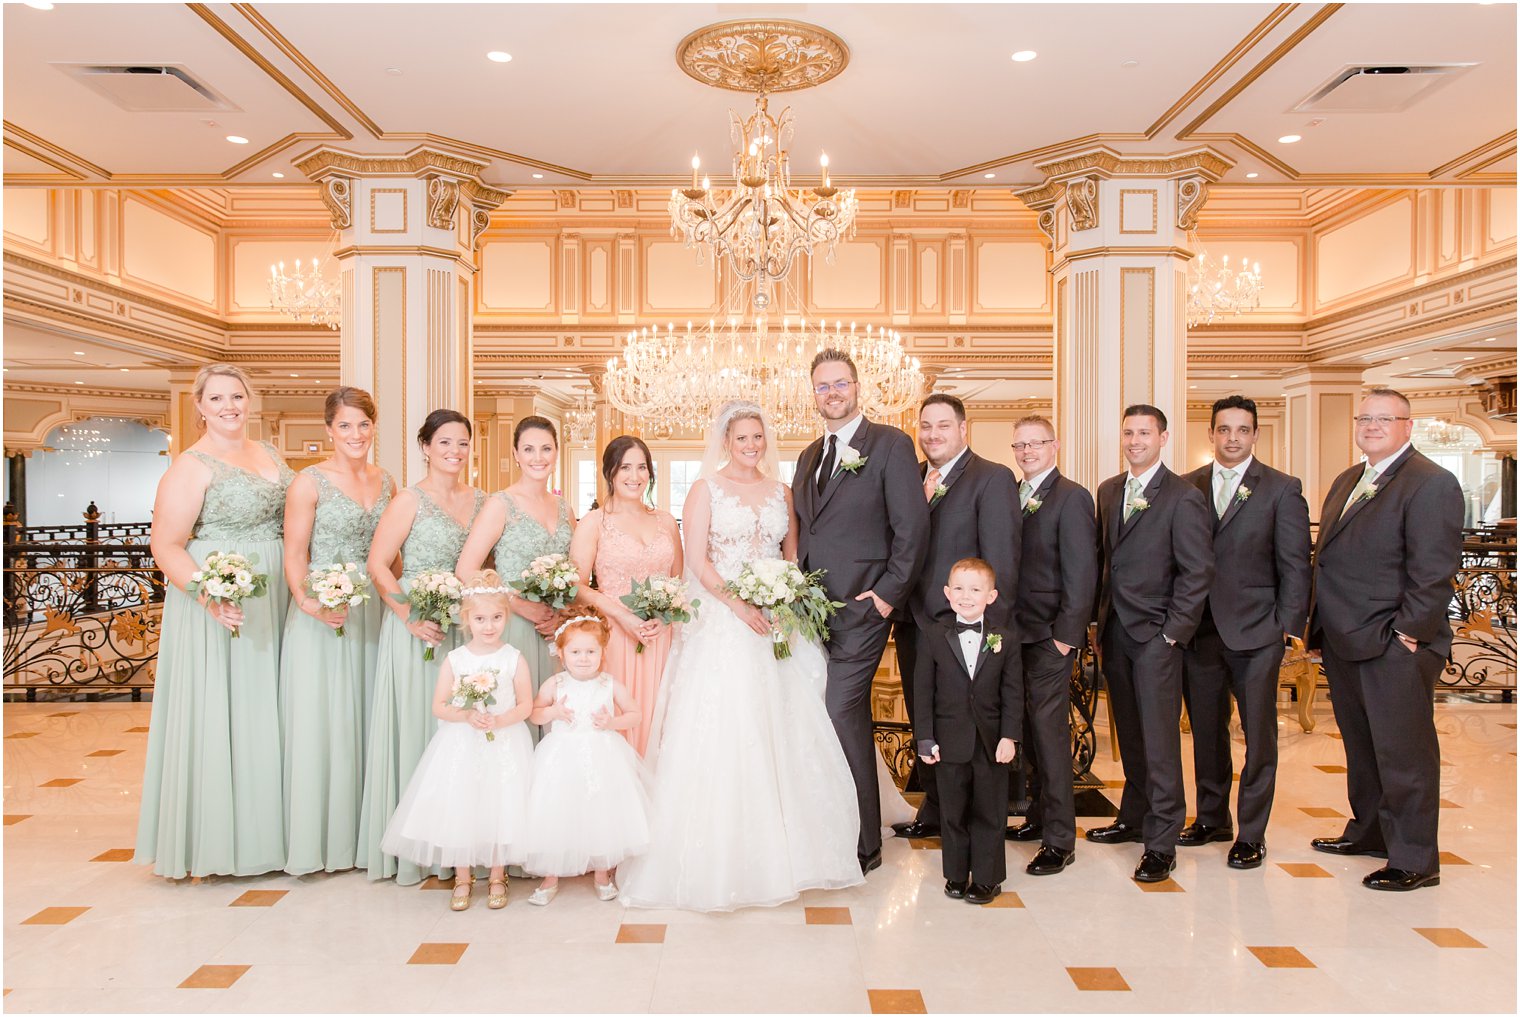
975	626
826	468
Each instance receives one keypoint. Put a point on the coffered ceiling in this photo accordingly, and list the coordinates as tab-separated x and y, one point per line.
592	95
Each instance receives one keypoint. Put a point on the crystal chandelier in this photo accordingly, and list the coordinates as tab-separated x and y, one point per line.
305	294
580	422
1215	289
1443	435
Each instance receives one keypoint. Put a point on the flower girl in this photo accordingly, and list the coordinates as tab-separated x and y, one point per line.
467	801
589	809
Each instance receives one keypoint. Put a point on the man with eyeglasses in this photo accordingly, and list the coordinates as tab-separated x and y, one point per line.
1157	556
1260	596
1390	541
971	515
864	521
1058	577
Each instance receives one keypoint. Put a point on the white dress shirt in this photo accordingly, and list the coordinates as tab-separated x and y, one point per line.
1218	481
842	438
1377	467
1145	481
1035	481
944	471
971	642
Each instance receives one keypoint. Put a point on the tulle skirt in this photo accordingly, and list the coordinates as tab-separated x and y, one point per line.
589	808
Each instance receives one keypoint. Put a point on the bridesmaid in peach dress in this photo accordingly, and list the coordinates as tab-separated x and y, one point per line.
621	542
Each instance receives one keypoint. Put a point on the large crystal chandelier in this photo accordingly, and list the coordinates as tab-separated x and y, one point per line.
580	421
1215	289
305	294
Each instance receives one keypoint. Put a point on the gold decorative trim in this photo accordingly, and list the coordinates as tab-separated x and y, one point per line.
405	207
47	146
1229	60
44	388
337	195
480	221
69	175
773	55
375	274
1481	150
1192	192
443	202
407	249
1155	197
1104	162
1082	203
419	162
1099	252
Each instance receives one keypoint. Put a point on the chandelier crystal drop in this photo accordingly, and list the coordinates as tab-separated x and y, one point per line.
1215	289
305	294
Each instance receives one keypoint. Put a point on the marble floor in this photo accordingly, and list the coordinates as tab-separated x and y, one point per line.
85	930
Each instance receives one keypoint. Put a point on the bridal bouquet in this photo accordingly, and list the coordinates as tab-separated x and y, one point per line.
338	586
228	577
476	692
434	597
794	600
662	597
550	579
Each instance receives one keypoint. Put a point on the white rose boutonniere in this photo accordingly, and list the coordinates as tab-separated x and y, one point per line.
1032	506
850	460
994	642
1139	505
1369	493
1242	493
940	490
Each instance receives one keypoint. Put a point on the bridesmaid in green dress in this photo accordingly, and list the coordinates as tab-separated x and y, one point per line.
326	681
211	801
427	524
522	522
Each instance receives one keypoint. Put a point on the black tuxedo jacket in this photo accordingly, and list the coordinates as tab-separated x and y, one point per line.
1158	566
954	708
1261	557
1058	566
870	529
1386	563
978	516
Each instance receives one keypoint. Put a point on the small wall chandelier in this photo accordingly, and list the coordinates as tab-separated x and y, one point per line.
305	294
580	421
1215	289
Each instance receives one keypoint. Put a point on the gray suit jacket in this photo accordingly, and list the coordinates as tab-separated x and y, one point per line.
1058	569
1386	564
1261	557
978	516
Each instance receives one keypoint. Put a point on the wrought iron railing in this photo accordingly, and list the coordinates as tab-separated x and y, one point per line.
1483	616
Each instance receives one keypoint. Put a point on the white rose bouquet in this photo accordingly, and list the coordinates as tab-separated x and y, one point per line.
550	579
662	597
434	597
338	586
794	600
476	692
228	577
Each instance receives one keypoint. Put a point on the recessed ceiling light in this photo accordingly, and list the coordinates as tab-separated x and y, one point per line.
278	176
1129	65
237	140
295	375
39	5
1234	375
1192	386
1492	339
1403	358
124	369
79	353
988	176
1023	56
79	383
1469	358
499	56
1252	176
538	176
1289	139
394	71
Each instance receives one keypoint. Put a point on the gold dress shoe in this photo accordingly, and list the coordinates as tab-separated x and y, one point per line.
497	901
461	901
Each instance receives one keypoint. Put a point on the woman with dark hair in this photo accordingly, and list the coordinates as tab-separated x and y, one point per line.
623	542
331	511
521	522
426	525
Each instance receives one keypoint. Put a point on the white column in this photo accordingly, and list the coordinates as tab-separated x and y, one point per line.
1321	437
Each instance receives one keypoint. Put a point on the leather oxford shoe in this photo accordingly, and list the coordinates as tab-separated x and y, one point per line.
1196	834
1154	867
870	861
954	890
1049	861
1246	854
1115	833
915	830
1025	832
1342	846
982	893
1389	878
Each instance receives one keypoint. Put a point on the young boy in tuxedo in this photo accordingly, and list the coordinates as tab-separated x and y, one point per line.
969	697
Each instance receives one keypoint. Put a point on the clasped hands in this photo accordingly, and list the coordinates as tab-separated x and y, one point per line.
1006	750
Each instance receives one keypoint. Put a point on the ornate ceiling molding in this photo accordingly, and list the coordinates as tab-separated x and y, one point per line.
1106	163
762	56
419	162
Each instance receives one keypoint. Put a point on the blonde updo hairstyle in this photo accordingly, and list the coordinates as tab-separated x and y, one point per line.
582	619
205	374
485	585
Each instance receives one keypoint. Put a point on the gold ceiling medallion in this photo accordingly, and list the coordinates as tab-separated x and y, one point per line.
762	56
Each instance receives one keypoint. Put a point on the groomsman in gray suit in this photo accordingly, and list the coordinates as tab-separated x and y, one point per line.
1260	596
1058	577
972	514
1390	541
1157	556
863	520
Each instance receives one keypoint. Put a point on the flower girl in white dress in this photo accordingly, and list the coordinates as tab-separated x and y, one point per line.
467	801
589	809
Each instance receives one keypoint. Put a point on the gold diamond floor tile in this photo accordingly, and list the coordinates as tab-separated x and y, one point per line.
1167	885
828	916
215	976
1451	938
55	916
1331	769
1322	812
114	855
1447	803
1304	870
896	1001
12	818
1098	979
259	899
24	734
438	953
1448	858
107	752
137	730
1280	957
1006	900
62	782
641	933
434	883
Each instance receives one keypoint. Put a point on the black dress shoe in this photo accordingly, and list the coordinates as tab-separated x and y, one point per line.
1115	833
1154	867
1342	846
1025	832
982	893
1196	834
870	861
954	890
1246	854
1049	861
1389	878
915	830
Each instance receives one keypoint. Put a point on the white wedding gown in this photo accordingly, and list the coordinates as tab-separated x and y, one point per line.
753	799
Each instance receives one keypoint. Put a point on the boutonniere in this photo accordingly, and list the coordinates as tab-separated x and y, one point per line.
1139	505
994	642
1032	506
940	490
1242	493
1368	494
851	461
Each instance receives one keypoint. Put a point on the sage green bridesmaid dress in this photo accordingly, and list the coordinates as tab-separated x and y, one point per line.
401	716
211	796
524	538
326	684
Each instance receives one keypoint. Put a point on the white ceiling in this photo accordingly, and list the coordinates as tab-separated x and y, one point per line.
930	89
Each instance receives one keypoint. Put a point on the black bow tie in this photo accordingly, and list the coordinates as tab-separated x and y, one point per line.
975	626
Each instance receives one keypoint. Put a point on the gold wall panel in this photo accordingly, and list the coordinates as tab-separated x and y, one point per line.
388	210
1365	254
1137	211
391	439
167	254
517	275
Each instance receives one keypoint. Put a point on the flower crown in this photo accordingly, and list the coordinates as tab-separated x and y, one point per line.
590	619
484	591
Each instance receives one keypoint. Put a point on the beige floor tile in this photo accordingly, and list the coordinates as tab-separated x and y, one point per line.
1451	938
1098	979
438	953
214	976
896	1001
1280	957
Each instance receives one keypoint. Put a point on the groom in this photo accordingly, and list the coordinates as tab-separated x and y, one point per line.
863	521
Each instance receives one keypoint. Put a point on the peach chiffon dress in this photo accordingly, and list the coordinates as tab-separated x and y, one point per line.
622	560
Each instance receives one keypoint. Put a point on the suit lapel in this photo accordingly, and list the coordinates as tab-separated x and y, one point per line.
1249	482
1149	494
949	479
1204	481
1383	480
1338	494
981	653
1116	511
804	487
954	639
861	444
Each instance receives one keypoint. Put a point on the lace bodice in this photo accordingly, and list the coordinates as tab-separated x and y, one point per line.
741	533
342	530
524	538
621	559
240	504
584	698
436	537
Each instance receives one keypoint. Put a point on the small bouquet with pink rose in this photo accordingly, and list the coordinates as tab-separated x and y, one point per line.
476	692
338	586
434	596
228	577
661	597
551	580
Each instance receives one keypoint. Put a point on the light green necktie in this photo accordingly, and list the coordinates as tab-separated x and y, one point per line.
1131	493
1362	486
1222	497
1024	492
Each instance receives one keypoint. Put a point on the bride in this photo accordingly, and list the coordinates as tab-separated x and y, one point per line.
753	799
